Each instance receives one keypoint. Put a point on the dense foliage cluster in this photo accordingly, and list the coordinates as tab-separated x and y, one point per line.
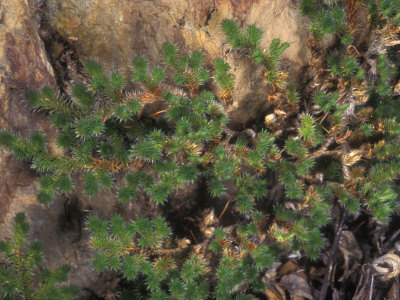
338	150
22	277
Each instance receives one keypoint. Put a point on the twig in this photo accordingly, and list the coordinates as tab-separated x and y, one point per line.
323	148
226	206
392	239
332	256
159	112
193	236
323	118
371	287
358	226
326	130
323	152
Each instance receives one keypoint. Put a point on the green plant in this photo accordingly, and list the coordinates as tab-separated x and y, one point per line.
325	18
384	12
346	68
375	134
250	40
102	137
105	130
22	275
141	247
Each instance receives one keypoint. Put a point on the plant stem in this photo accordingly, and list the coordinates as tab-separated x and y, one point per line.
332	256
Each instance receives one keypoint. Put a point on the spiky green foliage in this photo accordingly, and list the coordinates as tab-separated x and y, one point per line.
381	200
222	77
102	129
140	74
309	131
315	153
369	179
293	97
271	60
250	40
238	39
110	133
325	18
21	275
384	12
139	249
189	68
345	67
305	234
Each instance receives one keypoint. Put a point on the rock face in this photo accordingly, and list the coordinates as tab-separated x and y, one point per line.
23	63
114	32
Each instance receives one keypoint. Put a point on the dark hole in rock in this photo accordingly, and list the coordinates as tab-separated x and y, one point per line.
71	220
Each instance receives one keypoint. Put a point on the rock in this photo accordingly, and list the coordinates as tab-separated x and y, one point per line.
23	63
114	32
61	245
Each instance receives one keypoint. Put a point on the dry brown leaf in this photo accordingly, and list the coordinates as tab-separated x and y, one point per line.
360	95
271	295
340	139
352	157
385	267
279	112
388	266
316	272
390	42
289	267
397	88
357	172
272	273
351	252
270	119
208	223
394	292
296	285
275	292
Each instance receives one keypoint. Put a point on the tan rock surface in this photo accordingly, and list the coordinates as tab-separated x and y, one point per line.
114	32
23	63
